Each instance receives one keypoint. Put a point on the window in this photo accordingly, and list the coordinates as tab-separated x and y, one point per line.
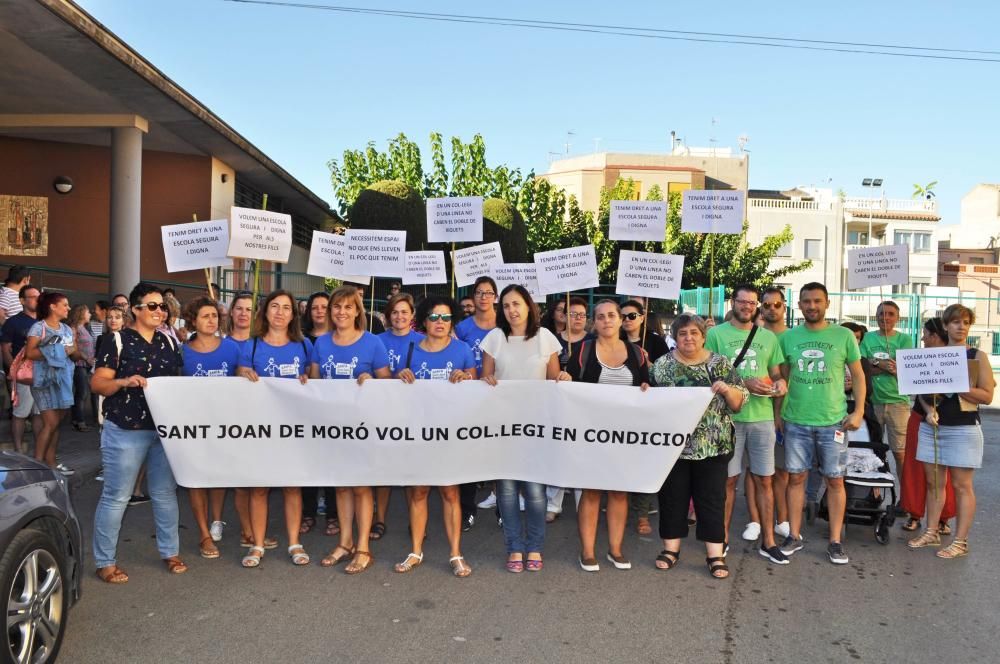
976	260
917	287
784	251
677	187
814	249
919	243
857	237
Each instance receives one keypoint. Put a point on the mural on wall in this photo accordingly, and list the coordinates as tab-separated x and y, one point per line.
24	225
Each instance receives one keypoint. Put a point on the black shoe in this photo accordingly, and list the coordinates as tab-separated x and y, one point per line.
468	522
139	499
774	554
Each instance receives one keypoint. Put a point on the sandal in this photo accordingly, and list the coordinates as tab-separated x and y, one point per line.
252	559
307	524
407	566
207	548
927	538
356	566
112	574
533	564
911	524
378	531
269	542
175	565
515	566
332	527
668	558
298	554
333	559
462	568
717	567
81	427
944	528
642	526
957	549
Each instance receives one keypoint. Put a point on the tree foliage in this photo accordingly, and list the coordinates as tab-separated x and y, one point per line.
392	205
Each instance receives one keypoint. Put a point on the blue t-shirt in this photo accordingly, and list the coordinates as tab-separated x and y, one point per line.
15	332
365	355
220	362
288	361
241	343
473	336
397	347
426	365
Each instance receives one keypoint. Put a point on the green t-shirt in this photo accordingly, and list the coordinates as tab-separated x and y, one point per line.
763	354
885	387
816	362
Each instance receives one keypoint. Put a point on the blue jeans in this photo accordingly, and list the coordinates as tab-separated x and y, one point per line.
81	392
534	515
806	445
123	452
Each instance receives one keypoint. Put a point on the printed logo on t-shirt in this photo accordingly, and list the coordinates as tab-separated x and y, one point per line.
395	360
749	363
434	374
199	371
333	368
477	353
881	355
273	369
812	363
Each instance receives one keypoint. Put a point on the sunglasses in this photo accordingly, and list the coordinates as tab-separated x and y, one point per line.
152	306
631	316
772	305
436	317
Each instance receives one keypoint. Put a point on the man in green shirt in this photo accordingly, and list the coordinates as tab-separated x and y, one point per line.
814	413
760	369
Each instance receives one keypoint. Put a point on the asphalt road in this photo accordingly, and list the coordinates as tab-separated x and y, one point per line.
888	604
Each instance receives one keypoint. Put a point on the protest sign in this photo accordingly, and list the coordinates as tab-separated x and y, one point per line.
425	267
196	245
326	258
260	235
638	220
222	432
564	270
375	253
649	275
712	211
524	274
886	265
455	219
932	370
474	262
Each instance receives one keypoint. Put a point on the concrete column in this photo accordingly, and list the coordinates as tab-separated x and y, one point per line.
126	207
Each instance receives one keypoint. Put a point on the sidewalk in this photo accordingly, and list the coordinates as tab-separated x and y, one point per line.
79	451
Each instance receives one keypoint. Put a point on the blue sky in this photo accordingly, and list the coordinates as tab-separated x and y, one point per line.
304	85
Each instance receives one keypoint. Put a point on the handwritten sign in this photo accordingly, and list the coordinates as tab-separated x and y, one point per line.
887	265
375	253
326	258
425	267
524	274
707	211
932	370
474	262
563	270
455	219
638	220
260	235
649	275
196	245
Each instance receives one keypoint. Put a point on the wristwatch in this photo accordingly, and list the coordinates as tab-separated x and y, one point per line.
875	362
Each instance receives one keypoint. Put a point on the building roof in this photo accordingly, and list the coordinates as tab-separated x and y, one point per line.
786	195
892	215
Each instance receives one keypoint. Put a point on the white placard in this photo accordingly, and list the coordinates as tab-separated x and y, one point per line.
471	263
375	253
638	221
196	245
260	235
326	258
886	265
932	370
563	270
455	219
525	274
712	211
649	275
425	267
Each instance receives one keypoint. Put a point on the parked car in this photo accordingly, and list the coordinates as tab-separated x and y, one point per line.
40	558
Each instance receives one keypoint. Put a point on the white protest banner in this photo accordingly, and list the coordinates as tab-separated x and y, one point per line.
638	220
425	267
525	274
326	258
196	245
375	253
220	432
712	211
455	219
260	235
932	370
649	275
471	263
886	265
563	270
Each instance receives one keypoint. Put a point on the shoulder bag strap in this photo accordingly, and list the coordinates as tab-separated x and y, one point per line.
746	346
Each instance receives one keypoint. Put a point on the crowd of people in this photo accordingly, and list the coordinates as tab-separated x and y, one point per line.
786	403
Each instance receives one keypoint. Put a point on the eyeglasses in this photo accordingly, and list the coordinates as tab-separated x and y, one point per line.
631	316
746	303
577	314
152	306
485	293
436	317
772	305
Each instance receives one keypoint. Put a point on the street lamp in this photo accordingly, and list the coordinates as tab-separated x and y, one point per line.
871	184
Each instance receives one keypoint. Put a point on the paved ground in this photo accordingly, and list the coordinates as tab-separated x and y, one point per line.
888	604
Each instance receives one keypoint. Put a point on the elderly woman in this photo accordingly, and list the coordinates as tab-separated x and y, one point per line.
438	356
606	360
700	472
950	440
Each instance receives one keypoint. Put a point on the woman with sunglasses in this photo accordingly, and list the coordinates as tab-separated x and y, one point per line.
438	356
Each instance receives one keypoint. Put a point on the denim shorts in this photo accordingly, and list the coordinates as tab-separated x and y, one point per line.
756	440
803	443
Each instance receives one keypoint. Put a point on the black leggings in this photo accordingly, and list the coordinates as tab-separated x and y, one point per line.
705	482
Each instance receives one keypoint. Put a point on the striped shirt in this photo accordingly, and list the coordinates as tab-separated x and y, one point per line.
10	302
615	375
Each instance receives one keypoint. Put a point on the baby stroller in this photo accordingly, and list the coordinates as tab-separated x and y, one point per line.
868	481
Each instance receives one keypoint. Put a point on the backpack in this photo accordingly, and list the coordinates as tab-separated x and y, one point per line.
588	349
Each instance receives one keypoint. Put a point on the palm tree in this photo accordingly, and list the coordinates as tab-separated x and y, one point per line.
926	191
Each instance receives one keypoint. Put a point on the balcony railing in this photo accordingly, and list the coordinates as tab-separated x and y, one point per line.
892	204
778	204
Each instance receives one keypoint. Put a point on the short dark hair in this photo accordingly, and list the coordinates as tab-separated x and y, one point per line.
749	288
466	297
635	304
307	322
485	280
23	293
118	295
814	285
169	291
193	307
46	301
774	290
102	304
426	307
888	303
578	301
16	274
935	326
533	317
141	290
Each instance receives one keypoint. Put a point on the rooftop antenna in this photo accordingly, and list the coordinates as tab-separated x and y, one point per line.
743	140
569	144
597	144
712	138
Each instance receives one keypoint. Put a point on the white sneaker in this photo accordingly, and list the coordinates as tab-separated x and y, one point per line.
751	532
783	529
215	530
65	470
489	503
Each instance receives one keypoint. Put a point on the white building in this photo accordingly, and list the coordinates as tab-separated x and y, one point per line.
979	227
